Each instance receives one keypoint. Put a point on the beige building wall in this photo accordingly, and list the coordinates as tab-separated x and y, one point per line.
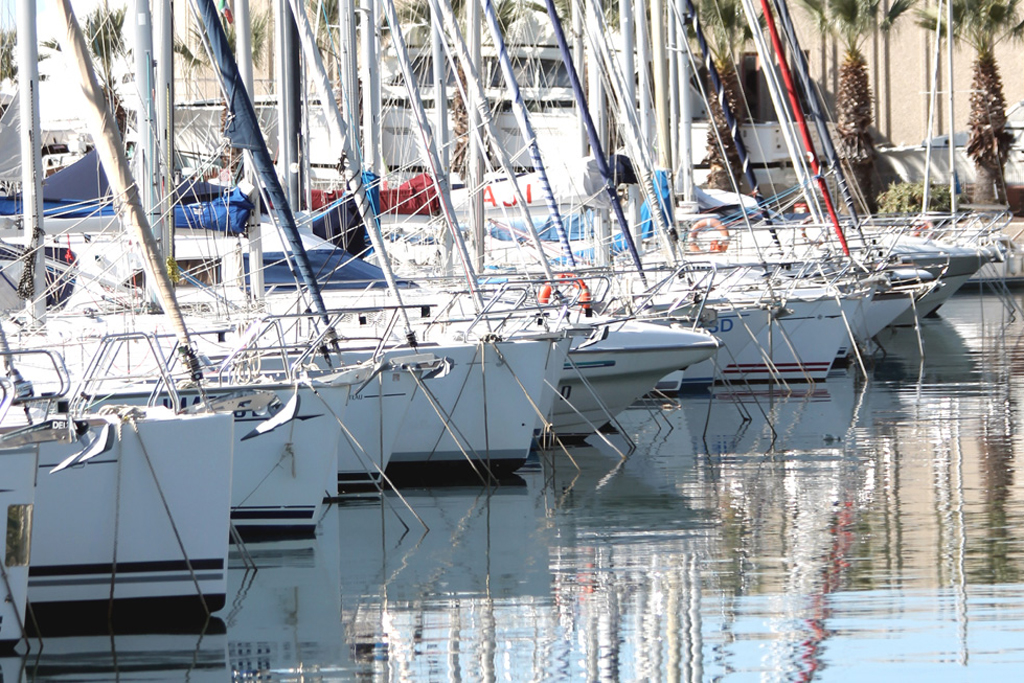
201	83
900	67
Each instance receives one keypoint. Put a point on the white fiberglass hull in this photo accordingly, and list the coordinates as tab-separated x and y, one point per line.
281	475
17	494
736	329
373	419
881	311
799	345
143	523
481	416
952	265
602	379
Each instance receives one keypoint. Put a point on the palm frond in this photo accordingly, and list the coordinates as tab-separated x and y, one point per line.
898	9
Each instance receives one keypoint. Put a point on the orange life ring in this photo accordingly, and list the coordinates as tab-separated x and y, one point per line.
922	229
583	299
716	246
544	295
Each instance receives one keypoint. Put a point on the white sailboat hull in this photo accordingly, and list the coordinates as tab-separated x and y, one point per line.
373	419
482	415
143	524
605	378
281	476
798	346
17	495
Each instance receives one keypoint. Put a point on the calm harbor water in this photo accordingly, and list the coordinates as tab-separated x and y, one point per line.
851	530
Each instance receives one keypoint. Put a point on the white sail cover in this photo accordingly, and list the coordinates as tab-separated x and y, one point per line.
10	143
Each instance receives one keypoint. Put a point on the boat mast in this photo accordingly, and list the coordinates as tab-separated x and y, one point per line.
243	50
429	148
441	128
347	61
798	114
288	115
643	80
369	44
475	167
952	121
684	157
110	149
690	15
523	118
595	143
166	182
33	281
660	56
483	112
786	124
628	55
605	64
145	160
352	173
817	113
244	132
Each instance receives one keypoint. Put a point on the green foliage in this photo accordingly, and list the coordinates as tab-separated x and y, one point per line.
909	197
852	21
726	30
982	24
191	62
8	56
104	32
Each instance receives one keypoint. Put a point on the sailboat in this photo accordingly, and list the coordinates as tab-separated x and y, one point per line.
131	505
17	497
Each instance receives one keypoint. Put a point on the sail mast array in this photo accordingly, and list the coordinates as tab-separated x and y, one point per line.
723	99
430	148
243	131
110	149
814	104
606	64
442	9
523	119
352	174
595	141
798	114
33	285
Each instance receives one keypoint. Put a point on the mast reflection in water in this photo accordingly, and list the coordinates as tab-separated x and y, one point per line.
849	528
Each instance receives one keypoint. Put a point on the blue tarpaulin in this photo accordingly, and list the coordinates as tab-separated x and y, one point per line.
81	190
646	223
333	269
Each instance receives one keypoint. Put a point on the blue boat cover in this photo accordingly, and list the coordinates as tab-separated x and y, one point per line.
81	190
333	268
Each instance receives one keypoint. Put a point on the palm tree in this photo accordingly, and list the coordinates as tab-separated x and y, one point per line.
727	32
851	22
418	12
192	62
104	33
983	24
8	54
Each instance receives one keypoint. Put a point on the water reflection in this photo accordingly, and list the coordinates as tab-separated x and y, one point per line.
855	528
143	657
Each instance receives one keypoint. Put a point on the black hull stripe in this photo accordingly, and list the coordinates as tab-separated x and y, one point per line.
124	580
125	568
246	513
